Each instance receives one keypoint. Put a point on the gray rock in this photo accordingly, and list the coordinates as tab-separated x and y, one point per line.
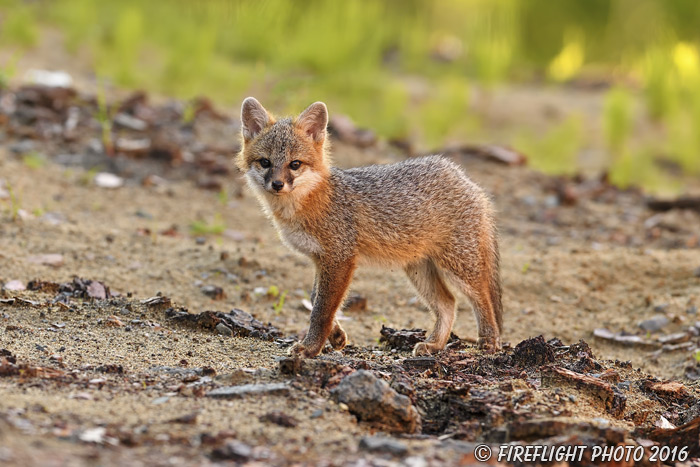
464	447
654	324
132	123
72	160
230	392
373	400
551	201
175	371
624	385
22	147
529	200
233	450
696	272
213	291
421	363
383	444
224	330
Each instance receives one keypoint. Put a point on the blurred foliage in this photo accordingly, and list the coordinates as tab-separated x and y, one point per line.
617	119
19	27
7	70
403	67
569	60
638	169
558	150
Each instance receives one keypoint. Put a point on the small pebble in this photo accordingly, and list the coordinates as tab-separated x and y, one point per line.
624	385
654	324
383	444
224	330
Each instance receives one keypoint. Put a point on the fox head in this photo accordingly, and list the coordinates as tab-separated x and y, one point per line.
283	158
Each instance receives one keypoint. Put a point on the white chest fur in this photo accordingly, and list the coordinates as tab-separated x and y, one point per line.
297	239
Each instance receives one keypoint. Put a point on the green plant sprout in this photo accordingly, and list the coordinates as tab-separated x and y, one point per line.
105	120
222	196
381	319
188	113
273	291
34	160
14	202
277	307
216	227
88	176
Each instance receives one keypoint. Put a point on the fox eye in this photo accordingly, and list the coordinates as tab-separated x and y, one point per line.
294	165
264	163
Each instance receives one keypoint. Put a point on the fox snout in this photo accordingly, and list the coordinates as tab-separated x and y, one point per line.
277	181
278	187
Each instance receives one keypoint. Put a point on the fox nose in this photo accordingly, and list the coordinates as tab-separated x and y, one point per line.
277	185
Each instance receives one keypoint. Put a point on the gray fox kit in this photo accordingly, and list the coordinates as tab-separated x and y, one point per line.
423	215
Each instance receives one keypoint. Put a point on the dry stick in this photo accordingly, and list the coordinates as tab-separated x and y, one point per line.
678	203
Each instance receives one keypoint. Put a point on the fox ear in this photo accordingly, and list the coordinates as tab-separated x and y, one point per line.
254	118
314	120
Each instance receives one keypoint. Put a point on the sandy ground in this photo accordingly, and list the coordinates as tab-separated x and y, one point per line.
566	271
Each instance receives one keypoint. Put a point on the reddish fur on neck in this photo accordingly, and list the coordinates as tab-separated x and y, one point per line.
317	202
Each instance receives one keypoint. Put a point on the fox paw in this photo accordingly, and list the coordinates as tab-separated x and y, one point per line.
425	348
338	338
301	351
489	344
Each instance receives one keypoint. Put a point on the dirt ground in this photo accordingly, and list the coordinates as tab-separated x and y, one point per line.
577	255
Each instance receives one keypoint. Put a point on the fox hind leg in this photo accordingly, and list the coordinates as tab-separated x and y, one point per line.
429	284
487	321
484	295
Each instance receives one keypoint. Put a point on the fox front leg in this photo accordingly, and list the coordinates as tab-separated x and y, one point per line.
338	338
332	282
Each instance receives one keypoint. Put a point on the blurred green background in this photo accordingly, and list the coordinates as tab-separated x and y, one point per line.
622	75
